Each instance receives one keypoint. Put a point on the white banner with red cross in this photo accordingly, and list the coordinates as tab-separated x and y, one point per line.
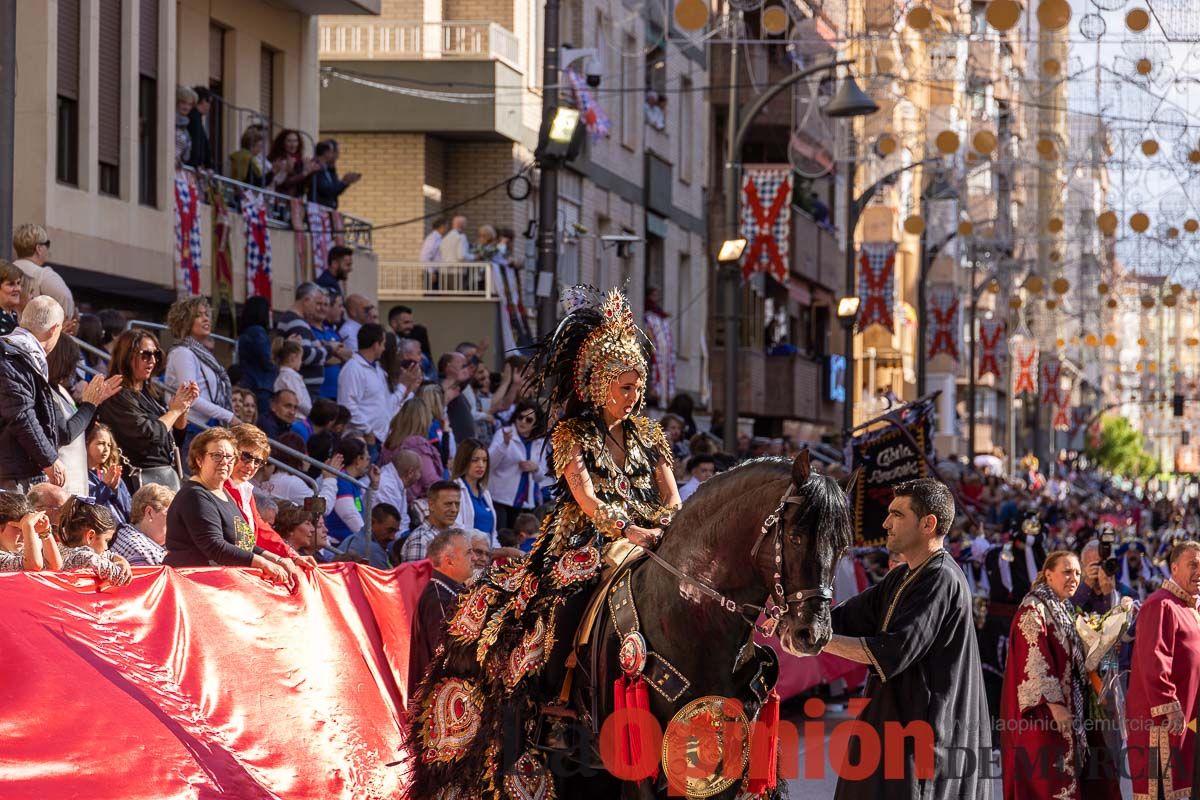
1024	351
1062	418
767	221
945	329
993	348
1051	371
877	285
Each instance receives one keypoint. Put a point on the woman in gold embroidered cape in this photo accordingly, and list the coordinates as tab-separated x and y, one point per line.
512	630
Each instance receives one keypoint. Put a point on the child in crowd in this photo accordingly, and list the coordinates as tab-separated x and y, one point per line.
86	528
104	473
288	355
21	524
527	527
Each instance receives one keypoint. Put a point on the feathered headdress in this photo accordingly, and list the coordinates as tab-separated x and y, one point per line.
595	342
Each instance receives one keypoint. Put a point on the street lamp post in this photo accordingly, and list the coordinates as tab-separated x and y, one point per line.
850	101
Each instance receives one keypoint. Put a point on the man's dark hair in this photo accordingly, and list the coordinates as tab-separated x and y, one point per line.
1179	549
324	412
929	497
441	486
397	311
202	93
323	147
462	347
508	537
700	460
350	449
439	544
13	507
444	361
370	335
381	511
320	444
281	392
338	252
439	222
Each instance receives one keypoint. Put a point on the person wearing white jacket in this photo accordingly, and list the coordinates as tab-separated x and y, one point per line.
518	465
470	471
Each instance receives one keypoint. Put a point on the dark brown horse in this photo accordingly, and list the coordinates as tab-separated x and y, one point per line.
767	533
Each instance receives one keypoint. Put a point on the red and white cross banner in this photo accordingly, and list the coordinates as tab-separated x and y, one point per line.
767	221
1051	371
944	328
993	349
1062	418
877	285
1025	352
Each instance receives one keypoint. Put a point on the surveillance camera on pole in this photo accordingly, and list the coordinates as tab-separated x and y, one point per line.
592	69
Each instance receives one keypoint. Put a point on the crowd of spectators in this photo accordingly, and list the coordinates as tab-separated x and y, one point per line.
278	163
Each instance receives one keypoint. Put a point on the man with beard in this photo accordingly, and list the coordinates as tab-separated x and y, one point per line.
925	689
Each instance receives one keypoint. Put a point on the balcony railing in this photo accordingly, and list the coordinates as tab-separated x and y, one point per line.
401	41
355	230
419	280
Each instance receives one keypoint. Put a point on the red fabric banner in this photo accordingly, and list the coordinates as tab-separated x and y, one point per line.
943	313
205	683
767	222
991	346
876	285
1051	371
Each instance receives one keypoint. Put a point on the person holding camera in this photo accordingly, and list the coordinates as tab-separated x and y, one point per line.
1098	591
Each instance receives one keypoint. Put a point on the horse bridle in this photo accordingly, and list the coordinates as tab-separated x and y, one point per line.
778	601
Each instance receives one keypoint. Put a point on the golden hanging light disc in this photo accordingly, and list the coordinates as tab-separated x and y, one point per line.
1144	66
886	144
1110	340
1091	340
1054	15
1054	225
1051	304
1147	302
1140	366
1191	341
984	141
1051	66
1035	284
1141	342
1194	156
919	18
1003	14
1139	222
1169	301
1107	223
1112	302
994	287
965	228
1153	366
1014	302
1047	149
1059	343
1191	225
1176	288
1150	147
947	142
1172	232
1102	287
1137	20
914	225
774	19
691	15
1061	285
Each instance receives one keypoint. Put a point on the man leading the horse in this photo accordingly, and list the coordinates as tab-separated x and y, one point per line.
615	484
925	690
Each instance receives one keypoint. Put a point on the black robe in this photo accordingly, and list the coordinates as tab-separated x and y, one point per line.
437	602
925	669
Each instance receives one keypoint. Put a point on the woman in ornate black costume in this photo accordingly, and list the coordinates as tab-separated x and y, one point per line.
615	482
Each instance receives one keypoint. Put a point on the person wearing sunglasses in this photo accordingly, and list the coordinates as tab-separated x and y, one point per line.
204	525
147	430
518	462
253	449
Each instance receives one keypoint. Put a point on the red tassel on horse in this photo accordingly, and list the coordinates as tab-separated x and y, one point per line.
619	688
764	748
637	700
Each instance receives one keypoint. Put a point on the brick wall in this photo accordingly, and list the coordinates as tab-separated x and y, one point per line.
499	11
393	170
472	167
435	172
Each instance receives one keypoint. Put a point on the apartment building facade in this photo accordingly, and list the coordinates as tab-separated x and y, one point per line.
95	127
438	104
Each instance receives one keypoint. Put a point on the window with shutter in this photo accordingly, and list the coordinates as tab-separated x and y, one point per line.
148	39
267	77
148	102
108	71
67	124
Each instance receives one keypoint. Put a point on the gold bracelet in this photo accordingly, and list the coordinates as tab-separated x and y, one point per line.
610	520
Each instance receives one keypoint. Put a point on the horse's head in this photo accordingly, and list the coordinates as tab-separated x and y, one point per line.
802	549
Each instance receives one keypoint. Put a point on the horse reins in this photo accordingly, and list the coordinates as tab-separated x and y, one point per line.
778	601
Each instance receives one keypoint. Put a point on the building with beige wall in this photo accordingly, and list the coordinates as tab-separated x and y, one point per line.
436	102
95	120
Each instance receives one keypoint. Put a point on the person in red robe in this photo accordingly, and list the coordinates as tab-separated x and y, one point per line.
1043	707
1164	681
